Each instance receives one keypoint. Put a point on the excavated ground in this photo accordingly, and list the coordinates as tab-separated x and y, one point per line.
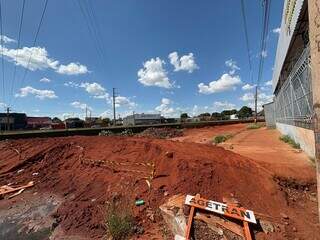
86	172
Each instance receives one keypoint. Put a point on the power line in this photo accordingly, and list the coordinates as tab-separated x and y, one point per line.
2	60
246	36
264	33
114	106
18	47
90	22
35	41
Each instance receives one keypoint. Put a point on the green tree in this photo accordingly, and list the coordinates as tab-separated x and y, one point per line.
225	114
244	112
216	116
204	115
184	115
105	121
56	120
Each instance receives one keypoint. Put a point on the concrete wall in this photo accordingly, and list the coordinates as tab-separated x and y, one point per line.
303	136
269	115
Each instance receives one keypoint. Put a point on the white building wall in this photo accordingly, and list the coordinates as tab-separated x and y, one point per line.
303	136
290	15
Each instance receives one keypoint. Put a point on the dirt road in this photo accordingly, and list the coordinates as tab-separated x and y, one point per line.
263	146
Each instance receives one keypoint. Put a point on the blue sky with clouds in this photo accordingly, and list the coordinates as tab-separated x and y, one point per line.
162	56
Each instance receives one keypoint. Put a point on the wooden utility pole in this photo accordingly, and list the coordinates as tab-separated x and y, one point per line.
314	37
114	105
8	119
256	104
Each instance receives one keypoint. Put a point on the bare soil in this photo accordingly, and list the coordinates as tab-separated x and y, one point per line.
86	172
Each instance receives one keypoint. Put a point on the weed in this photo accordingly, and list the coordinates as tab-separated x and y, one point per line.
222	138
254	126
119	219
312	160
290	141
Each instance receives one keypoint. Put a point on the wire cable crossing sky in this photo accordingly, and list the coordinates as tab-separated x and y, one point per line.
163	56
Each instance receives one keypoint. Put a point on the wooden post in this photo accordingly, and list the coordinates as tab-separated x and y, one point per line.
246	228
191	214
314	37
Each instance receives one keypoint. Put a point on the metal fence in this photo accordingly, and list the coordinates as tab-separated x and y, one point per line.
293	102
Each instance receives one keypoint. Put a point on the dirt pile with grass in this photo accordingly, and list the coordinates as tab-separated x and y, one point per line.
89	171
162	133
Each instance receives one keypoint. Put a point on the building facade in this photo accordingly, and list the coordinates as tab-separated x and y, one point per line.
142	119
38	122
17	121
292	77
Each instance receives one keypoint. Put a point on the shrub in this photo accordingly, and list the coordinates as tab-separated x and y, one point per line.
221	138
290	141
254	126
119	219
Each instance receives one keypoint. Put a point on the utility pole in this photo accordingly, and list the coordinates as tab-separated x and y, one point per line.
134	120
86	112
314	37
114	106
8	119
255	104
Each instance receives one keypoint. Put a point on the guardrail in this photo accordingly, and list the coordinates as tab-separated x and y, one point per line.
117	129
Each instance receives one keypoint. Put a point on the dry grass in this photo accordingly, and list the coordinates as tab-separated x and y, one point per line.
119	219
221	138
290	141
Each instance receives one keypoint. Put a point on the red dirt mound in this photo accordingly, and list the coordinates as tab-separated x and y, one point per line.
87	171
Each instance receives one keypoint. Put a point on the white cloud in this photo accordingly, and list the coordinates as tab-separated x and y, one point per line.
6	39
34	58
276	30
268	83
93	88
184	63
68	115
99	92
82	106
247	97
224	105
45	80
224	83
164	108
261	96
2	105
264	54
72	69
71	84
248	87
153	74
124	101
106	114
232	65
37	58
265	97
41	94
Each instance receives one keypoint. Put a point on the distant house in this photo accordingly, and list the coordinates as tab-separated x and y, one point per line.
16	121
38	122
233	117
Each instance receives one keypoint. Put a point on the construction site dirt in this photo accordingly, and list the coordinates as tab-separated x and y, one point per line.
82	174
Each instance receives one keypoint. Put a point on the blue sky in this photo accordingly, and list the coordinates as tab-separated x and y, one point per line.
167	56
